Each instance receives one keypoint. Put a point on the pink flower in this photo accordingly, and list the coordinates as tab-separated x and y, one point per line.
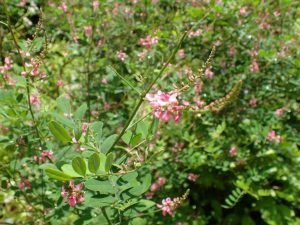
35	100
166	206
243	11
23	74
95	5
192	177
181	53
142	55
22	3
208	73
161	181
165	105
149	41
63	192
272	136
253	102
121	55
72	200
47	154
279	112
88	30
63	6
60	83
276	13
154	187
254	67
35	72
233	151
196	33
72	193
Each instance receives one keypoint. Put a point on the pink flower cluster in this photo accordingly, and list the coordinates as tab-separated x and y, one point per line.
121	55
166	206
165	105
192	177
88	30
233	151
148	41
279	112
4	69
73	193
196	33
84	128
33	65
24	183
253	102
156	186
44	156
272	136
35	100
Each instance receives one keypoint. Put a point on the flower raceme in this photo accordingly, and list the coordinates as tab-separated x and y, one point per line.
165	105
73	193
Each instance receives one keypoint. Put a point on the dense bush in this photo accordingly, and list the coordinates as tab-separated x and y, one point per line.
150	112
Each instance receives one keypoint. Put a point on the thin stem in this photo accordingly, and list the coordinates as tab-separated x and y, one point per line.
105	215
24	68
138	105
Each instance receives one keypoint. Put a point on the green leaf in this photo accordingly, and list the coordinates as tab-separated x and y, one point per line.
68	169
107	143
127	137
137	138
78	115
94	163
109	161
59	132
100	201
63	104
143	127
96	129
104	187
79	165
57	175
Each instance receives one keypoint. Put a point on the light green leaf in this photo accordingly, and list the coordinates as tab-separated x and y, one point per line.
109	161
107	143
59	132
57	175
79	165
94	163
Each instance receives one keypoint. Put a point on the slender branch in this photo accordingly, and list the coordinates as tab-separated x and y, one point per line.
24	68
138	105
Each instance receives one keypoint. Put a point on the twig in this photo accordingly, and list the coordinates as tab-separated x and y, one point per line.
138	105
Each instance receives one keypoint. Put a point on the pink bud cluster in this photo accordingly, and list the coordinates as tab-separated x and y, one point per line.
121	55
43	157
272	136
5	68
24	183
148	41
35	100
165	105
279	112
34	66
233	151
161	181
166	207
192	177
196	33
84	128
88	30
73	194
